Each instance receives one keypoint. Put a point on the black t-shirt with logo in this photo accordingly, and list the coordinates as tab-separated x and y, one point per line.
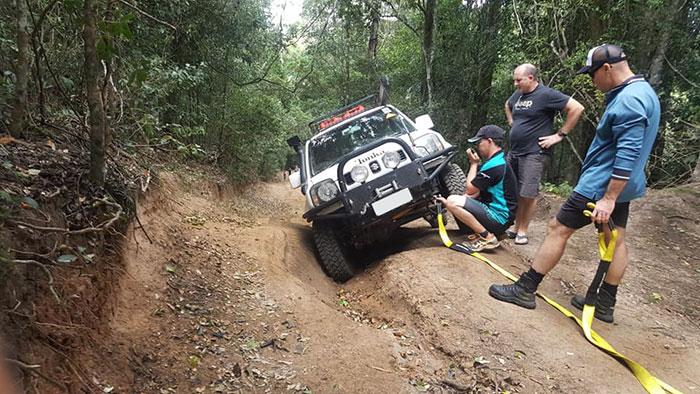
533	117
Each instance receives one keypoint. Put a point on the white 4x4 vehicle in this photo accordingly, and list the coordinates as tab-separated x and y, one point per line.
366	172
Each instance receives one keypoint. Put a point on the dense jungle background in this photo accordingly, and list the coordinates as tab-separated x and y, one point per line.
223	81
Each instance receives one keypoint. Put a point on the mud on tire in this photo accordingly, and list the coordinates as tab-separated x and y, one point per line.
333	253
453	181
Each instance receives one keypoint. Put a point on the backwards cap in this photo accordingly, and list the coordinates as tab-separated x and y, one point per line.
600	55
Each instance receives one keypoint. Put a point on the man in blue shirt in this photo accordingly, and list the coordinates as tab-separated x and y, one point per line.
488	206
612	175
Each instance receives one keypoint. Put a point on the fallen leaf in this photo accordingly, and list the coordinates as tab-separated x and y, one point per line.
655	297
51	145
66	258
170	268
480	361
194	361
28	202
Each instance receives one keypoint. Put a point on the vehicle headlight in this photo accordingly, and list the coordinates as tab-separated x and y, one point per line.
359	173
421	151
323	192
391	159
429	143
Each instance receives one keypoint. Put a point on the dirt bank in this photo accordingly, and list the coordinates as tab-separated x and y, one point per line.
229	298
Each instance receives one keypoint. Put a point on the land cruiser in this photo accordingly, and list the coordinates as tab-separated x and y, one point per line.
367	170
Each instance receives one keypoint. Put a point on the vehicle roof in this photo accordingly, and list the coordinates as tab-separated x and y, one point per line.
352	118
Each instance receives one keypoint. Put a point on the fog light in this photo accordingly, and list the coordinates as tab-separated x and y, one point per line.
359	173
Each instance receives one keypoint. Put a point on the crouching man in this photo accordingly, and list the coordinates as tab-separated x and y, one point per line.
488	207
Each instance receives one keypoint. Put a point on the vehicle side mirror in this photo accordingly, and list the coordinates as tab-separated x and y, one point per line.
295	143
295	179
424	122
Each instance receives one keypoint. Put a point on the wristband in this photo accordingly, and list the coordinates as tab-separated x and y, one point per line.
562	134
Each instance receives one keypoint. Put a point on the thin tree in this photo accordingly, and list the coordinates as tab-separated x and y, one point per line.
19	109
97	117
427	10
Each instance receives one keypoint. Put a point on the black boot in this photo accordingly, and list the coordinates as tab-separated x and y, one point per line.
604	308
521	293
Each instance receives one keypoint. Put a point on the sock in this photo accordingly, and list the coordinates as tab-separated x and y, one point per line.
484	234
610	289
531	280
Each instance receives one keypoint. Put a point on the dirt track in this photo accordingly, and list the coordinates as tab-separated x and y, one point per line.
230	298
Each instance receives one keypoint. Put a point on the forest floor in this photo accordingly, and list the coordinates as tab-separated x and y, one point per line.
230	298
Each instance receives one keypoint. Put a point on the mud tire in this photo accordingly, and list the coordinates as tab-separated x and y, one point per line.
332	252
453	181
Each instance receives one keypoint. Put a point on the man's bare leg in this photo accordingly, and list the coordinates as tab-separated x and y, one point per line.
452	204
620	260
523	215
552	248
522	292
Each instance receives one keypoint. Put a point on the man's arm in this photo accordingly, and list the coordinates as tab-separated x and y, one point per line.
509	114
629	137
474	160
471	190
605	206
572	111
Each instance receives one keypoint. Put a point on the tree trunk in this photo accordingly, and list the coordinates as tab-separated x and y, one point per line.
696	173
373	35
488	57
97	118
656	73
429	50
19	110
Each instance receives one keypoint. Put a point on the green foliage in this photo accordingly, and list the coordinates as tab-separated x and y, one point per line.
563	189
228	84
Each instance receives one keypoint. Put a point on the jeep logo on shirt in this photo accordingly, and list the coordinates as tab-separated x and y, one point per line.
520	105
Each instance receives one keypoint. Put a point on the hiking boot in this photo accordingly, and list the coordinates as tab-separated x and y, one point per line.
515	293
480	244
604	308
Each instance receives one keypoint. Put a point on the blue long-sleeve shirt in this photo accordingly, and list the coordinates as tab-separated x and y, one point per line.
623	141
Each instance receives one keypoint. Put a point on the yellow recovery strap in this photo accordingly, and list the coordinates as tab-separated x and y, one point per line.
650	383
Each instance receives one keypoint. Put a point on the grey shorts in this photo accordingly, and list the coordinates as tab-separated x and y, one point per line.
528	170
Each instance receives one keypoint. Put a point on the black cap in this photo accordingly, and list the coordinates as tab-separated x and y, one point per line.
600	55
489	131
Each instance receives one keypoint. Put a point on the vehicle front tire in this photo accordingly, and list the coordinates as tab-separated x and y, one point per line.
453	181
331	250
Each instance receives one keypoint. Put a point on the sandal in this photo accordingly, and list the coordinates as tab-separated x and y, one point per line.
521	239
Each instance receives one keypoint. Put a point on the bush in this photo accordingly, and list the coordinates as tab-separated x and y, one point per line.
563	189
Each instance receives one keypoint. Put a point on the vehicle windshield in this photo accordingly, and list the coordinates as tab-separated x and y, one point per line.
327	149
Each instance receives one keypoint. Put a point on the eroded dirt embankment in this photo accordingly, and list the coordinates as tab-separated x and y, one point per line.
229	297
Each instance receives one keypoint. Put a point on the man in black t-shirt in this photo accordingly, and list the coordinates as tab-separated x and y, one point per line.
530	112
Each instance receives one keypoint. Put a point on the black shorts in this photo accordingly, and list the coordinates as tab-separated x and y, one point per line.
481	213
571	212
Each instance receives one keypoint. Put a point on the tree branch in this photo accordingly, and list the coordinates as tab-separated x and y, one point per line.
40	265
695	85
147	15
33	369
100	227
398	16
